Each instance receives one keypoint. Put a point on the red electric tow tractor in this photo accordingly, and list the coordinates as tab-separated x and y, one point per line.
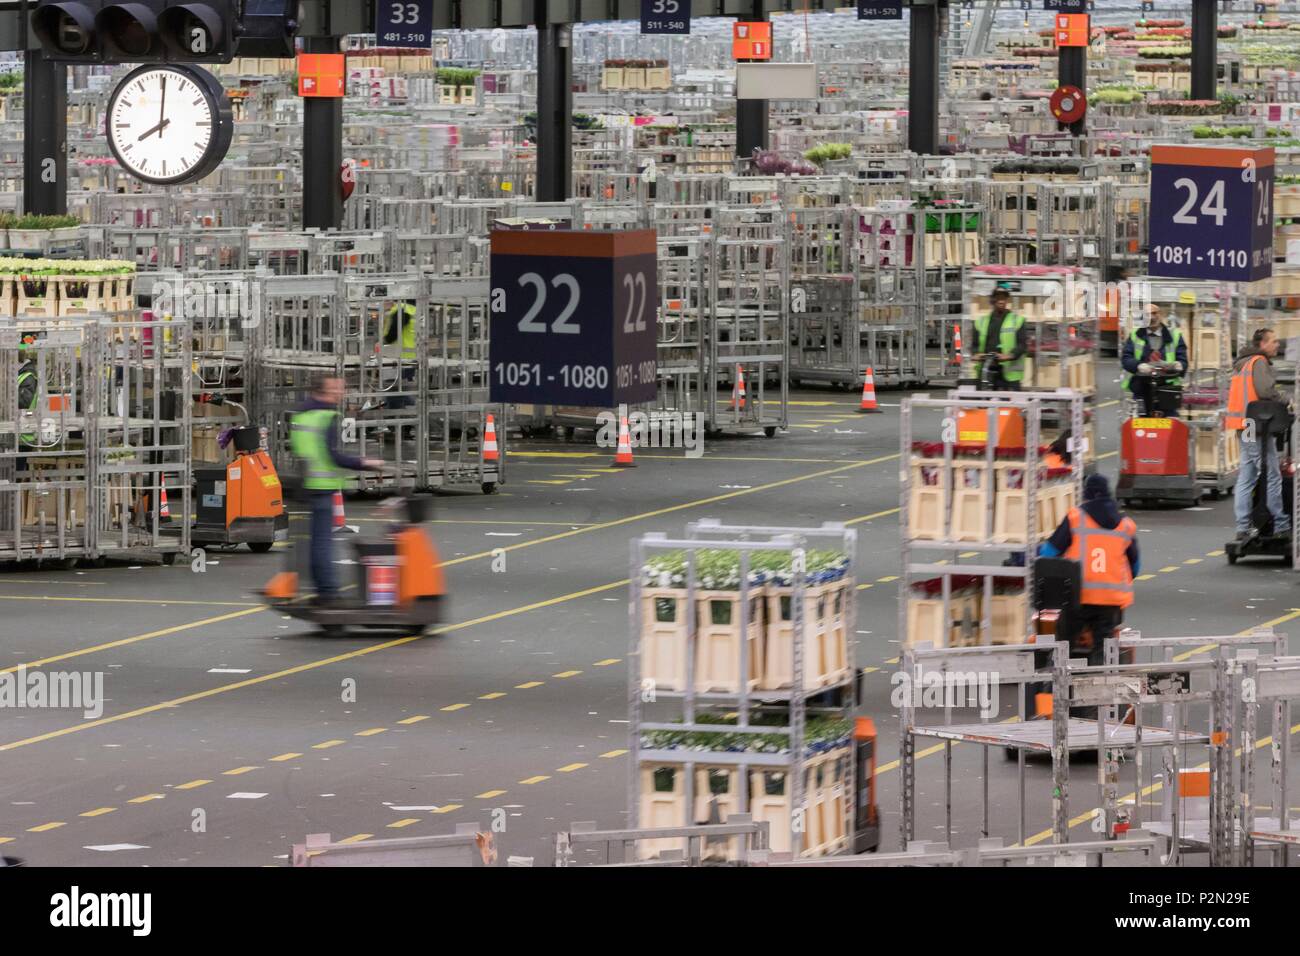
1156	465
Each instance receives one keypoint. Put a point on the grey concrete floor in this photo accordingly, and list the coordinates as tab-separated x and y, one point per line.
222	713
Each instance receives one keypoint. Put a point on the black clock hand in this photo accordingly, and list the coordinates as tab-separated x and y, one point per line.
162	107
156	129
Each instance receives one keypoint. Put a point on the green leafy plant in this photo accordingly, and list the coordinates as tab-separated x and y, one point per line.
828	152
45	222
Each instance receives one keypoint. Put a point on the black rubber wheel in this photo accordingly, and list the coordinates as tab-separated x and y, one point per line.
169	558
1232	557
489	488
333	630
260	547
770	431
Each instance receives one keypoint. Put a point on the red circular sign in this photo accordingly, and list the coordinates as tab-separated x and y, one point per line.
1069	104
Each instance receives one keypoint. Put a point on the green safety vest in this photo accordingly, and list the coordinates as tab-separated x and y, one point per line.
309	441
1011	324
408	329
1171	353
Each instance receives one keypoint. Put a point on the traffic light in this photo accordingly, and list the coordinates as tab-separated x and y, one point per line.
163	31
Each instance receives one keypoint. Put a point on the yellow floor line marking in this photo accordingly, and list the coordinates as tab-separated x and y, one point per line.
892	660
99	812
887	579
575	477
283	757
450	708
1144	577
537	779
530	685
156	603
671	509
447	809
357	838
1204	648
968	554
1109	454
564	674
547	481
613	753
45	826
1214	554
311	665
570	767
192	785
604	471
607	661
132	640
488	794
414	720
6	839
553	454
813	427
878	514
1113	401
398	824
326	745
371	732
1193	561
147	798
495	695
239	771
1166	570
870	670
863	587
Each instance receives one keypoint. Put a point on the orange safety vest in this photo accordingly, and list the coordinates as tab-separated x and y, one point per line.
1102	554
1241	393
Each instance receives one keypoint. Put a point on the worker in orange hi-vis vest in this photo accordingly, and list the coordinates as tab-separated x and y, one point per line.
1258	412
1104	543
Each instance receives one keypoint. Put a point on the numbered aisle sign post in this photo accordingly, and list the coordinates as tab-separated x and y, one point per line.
880	9
574	318
408	23
666	16
1211	213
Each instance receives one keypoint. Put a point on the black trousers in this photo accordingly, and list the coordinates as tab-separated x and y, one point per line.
1086	629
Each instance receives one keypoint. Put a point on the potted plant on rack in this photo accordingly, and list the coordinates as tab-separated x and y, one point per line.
34	233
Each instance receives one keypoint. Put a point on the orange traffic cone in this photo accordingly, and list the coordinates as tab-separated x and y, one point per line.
869	392
164	509
738	391
956	343
490	450
623	457
340	519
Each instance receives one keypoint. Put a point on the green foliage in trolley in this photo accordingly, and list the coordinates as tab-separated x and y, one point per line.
718	569
1222	132
1117	94
455	76
42	222
828	152
820	733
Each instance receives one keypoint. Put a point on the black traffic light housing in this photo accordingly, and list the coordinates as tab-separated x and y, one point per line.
164	31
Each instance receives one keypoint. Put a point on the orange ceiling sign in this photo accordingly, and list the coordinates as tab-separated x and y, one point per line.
321	75
751	40
1072	29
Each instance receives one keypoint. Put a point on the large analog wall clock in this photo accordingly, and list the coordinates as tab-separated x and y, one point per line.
169	125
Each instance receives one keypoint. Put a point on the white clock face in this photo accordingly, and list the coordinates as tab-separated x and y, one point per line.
161	125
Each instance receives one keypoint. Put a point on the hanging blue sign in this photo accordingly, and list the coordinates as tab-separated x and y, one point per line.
880	9
408	23
671	17
1211	213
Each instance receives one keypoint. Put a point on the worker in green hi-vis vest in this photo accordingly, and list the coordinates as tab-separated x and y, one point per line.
314	441
1002	340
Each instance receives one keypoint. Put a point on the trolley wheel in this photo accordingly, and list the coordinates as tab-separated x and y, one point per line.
169	558
99	561
260	547
489	488
770	431
1232	556
333	630
569	432
1196	502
